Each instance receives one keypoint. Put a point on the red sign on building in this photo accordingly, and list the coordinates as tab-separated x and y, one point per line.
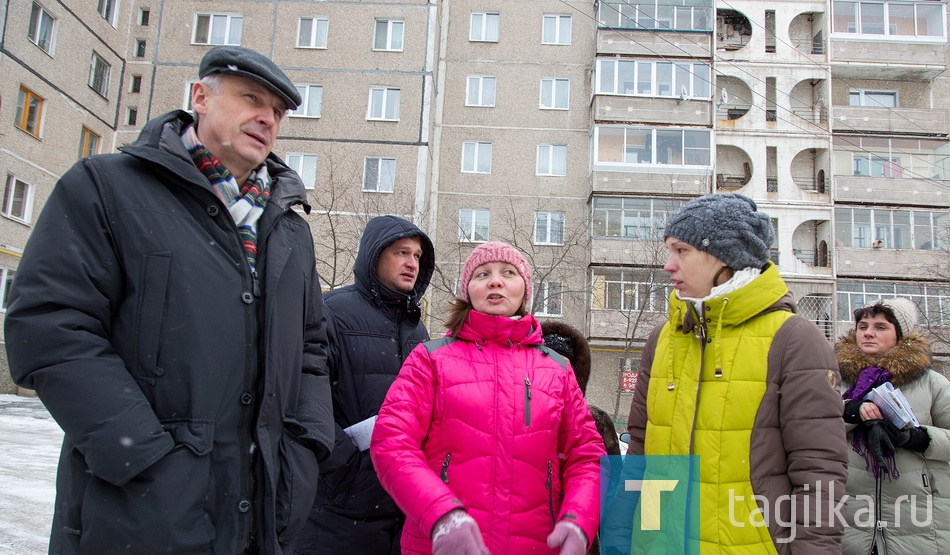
628	380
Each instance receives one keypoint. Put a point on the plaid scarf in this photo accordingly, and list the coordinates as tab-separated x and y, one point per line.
245	204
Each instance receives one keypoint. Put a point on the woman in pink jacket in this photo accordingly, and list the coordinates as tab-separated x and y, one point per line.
485	440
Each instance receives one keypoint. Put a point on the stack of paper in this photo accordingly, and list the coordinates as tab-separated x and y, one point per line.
893	405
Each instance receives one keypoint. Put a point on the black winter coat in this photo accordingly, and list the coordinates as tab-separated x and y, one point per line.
372	330
177	376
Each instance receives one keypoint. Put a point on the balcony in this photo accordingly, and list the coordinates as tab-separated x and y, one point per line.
679	181
855	57
891	121
641	109
654	43
886	190
885	263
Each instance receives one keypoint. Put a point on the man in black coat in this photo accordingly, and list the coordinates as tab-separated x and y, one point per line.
168	313
373	325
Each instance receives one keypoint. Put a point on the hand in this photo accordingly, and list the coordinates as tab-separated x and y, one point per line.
569	537
457	533
869	411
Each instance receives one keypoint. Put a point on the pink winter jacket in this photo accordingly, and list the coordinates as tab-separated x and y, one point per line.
490	423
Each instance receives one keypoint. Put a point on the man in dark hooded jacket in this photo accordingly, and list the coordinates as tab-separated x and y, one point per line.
167	311
373	325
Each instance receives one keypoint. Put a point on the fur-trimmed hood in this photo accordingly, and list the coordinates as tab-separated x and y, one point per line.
907	361
571	343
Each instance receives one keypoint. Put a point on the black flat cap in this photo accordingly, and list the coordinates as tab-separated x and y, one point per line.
234	60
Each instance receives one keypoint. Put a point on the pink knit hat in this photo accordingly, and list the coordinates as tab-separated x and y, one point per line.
495	251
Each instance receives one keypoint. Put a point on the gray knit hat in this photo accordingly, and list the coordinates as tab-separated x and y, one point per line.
727	226
903	310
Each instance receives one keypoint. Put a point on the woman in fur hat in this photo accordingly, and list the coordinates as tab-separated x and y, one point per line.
484	440
898	480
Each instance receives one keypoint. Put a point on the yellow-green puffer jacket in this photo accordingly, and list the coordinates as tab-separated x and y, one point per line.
750	388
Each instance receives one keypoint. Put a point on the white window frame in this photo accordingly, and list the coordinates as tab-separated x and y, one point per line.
553	24
186	101
230	21
864	98
9	199
99	71
41	19
394	27
480	84
469	217
109	10
6	275
549	88
545	233
385	170
319	32
479	28
382	106
549	156
549	299
474	154
311	100
305	164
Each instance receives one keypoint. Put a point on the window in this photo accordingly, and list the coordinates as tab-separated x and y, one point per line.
99	75
892	229
132	116
88	143
473	225
186	102
632	146
547	299
647	78
646	289
135	84
932	300
480	91
383	104
29	111
144	14
18	199
312	32
41	28
213	28
548	228
476	157
555	94
556	30
654	14
7	275
140	48
874	99
484	27
388	35
379	174
306	167
637	218
107	10
889	19
311	101
552	160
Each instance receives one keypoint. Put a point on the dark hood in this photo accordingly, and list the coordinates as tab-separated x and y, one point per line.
381	232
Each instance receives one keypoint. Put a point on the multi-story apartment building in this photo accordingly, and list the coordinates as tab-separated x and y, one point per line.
571	128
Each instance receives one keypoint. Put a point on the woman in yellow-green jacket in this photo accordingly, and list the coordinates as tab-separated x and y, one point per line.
738	380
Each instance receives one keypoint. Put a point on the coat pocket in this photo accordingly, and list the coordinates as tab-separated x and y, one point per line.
151	314
296	486
165	509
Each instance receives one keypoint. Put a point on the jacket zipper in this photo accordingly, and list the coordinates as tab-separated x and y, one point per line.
445	468
550	487
527	402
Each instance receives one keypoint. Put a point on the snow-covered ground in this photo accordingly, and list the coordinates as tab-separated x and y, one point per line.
29	449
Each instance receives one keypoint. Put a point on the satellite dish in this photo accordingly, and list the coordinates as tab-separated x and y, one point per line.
683	93
724	98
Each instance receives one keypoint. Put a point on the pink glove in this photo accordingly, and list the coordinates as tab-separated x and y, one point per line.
569	537
457	533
